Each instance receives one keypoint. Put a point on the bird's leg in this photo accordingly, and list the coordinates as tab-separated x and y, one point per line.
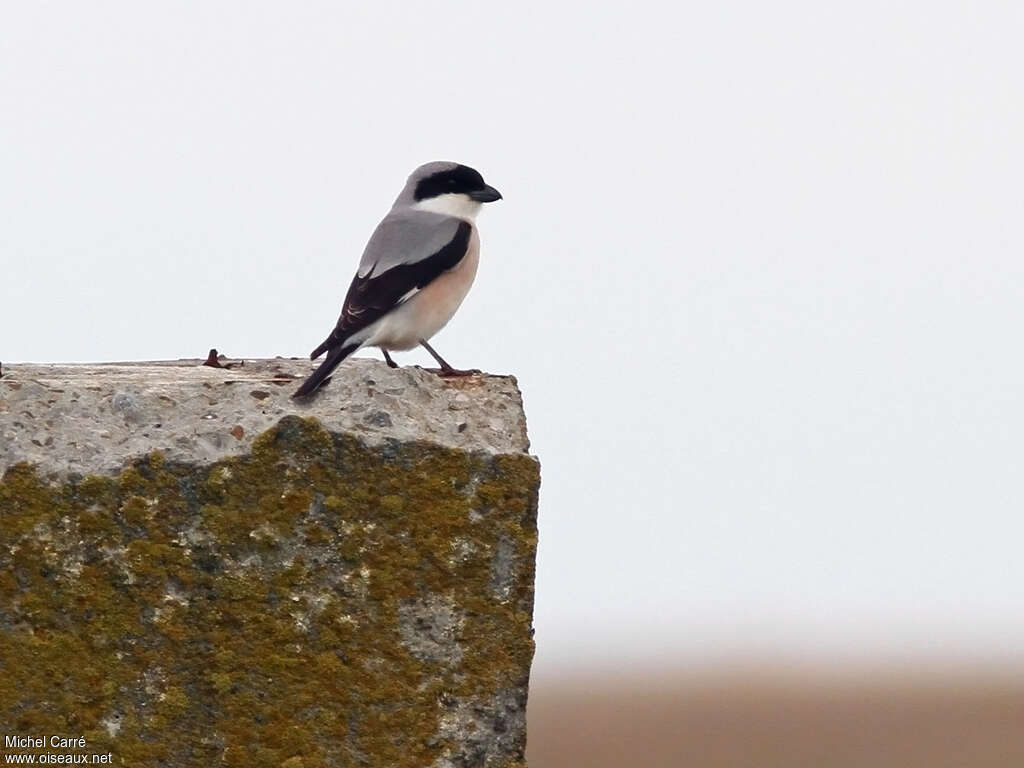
387	359
446	370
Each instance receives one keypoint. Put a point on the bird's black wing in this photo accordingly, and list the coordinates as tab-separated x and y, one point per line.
375	293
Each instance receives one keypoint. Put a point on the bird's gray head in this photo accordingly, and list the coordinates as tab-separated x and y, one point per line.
448	188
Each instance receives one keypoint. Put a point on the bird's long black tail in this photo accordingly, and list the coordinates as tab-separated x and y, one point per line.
333	359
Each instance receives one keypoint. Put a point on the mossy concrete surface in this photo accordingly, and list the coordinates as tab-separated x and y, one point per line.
320	599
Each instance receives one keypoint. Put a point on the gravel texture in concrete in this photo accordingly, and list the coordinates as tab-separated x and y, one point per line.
95	417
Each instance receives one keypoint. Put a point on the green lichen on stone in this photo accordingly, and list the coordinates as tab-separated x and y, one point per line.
316	603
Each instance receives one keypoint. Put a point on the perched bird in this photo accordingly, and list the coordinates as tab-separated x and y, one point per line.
415	272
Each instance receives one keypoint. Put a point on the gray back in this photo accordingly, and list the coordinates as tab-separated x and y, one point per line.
405	236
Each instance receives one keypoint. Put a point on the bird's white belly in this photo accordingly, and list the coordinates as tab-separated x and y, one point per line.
429	310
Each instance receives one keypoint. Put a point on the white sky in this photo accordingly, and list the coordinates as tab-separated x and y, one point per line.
758	269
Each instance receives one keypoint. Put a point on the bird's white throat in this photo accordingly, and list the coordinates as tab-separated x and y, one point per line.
451	204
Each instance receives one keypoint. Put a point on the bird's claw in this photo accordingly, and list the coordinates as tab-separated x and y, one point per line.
455	372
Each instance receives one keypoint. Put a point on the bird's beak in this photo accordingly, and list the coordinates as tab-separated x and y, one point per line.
485	195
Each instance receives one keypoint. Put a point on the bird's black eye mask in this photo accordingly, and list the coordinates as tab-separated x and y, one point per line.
460	179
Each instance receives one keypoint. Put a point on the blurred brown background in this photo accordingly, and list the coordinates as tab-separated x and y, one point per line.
764	717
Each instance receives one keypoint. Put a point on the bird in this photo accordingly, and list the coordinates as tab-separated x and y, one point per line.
417	267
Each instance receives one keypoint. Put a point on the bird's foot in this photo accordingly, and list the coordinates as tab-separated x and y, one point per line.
448	373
